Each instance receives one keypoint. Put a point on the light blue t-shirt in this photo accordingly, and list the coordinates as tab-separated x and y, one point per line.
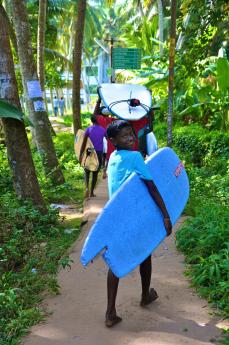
121	165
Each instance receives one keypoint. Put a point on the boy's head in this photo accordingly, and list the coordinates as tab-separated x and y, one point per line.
93	119
121	134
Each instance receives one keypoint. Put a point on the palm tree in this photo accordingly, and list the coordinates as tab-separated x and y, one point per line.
77	55
18	150
41	43
35	104
171	71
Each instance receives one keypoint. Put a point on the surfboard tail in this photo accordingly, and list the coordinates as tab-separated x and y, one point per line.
91	249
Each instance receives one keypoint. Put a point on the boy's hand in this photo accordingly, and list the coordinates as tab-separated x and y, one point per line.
168	225
104	174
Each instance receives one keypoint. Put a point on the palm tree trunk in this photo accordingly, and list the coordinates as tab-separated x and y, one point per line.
51	97
41	53
77	55
171	71
34	99
18	150
41	43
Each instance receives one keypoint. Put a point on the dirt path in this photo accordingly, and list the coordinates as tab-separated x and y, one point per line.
178	317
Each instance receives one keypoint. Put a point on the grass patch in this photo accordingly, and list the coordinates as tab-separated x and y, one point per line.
67	120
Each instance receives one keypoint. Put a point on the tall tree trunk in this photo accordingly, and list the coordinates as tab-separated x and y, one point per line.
51	98
41	49
77	55
171	71
10	28
41	43
41	53
18	150
161	25
34	98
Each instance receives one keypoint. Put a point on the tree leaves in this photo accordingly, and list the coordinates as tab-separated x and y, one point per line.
222	68
9	111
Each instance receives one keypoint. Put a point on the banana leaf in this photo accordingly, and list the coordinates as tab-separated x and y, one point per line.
223	74
195	107
9	111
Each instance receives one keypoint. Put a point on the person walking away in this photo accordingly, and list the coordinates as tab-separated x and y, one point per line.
96	133
55	106
62	106
123	161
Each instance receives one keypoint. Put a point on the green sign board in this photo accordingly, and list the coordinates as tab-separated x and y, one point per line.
126	58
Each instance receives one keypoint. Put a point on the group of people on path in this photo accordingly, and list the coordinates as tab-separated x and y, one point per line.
119	160
58	105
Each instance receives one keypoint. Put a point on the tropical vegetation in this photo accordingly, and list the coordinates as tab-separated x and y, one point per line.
55	42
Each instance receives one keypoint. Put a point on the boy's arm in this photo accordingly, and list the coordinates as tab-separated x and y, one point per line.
83	148
97	107
105	169
160	203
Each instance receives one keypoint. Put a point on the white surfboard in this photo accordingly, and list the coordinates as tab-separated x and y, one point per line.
116	97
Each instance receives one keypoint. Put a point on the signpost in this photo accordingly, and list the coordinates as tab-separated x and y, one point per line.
126	58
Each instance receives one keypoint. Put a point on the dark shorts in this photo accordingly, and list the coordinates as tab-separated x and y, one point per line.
100	158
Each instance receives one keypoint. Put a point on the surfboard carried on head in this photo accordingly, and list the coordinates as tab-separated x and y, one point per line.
131	226
129	102
89	160
126	101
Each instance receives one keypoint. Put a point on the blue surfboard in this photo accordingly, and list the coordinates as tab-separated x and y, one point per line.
130	227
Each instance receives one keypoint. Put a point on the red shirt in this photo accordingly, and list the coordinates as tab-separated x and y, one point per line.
104	122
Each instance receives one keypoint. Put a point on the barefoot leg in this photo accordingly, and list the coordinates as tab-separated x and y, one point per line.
112	288
148	295
86	180
93	182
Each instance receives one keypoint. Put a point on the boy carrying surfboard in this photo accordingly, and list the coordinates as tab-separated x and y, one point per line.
123	162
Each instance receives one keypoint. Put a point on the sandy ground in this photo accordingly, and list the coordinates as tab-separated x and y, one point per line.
178	317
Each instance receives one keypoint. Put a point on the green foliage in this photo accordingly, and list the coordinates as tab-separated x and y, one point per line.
72	190
204	238
205	32
201	146
9	111
6	183
202	99
33	246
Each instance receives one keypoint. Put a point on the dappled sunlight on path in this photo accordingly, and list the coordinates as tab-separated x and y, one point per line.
178	317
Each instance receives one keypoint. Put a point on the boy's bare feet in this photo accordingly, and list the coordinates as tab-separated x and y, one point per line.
113	320
152	296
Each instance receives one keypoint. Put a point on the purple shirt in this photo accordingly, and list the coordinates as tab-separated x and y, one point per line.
96	133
